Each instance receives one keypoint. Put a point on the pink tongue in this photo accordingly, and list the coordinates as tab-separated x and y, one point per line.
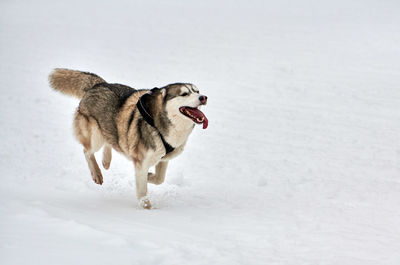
205	123
200	114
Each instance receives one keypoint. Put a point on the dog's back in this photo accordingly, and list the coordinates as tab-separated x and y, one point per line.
100	101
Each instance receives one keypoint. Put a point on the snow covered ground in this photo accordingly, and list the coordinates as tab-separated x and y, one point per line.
300	163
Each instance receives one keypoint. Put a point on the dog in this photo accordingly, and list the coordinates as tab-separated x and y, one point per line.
148	126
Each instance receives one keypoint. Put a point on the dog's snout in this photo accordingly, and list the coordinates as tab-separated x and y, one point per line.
203	99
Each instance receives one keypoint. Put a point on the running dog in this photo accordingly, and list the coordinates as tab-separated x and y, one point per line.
150	127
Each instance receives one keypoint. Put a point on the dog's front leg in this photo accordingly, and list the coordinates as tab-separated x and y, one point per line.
141	186
159	176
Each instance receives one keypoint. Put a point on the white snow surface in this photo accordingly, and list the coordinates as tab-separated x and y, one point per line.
300	163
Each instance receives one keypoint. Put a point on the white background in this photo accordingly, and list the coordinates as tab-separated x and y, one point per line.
300	163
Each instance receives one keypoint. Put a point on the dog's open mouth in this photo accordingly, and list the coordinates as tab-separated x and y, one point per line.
195	114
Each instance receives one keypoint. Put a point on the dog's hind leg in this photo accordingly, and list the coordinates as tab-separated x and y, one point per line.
159	176
94	167
89	135
107	154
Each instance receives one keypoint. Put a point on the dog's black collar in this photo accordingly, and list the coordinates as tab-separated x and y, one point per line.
147	117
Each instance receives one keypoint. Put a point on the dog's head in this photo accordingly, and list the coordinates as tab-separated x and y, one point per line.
180	102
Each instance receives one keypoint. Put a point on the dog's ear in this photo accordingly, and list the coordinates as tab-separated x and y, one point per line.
152	102
163	91
154	90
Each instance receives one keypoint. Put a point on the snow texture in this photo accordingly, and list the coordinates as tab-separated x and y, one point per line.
300	163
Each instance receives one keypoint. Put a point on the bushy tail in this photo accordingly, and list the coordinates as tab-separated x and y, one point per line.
72	82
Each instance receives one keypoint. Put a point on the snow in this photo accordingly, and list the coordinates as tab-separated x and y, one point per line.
300	163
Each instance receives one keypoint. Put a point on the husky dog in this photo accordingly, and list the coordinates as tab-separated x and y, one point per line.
149	127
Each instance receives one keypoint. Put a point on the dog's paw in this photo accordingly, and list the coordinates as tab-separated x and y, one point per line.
151	178
106	164
145	203
97	177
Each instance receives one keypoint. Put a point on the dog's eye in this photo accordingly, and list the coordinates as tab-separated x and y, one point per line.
185	94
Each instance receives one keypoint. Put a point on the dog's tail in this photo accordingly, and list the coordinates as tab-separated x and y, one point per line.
72	82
